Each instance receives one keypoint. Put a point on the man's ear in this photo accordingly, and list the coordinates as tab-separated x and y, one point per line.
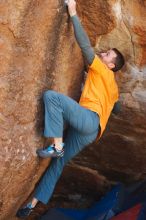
111	65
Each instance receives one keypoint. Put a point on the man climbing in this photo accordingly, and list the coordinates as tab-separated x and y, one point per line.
87	119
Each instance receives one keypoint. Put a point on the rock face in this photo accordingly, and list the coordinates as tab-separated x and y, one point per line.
39	52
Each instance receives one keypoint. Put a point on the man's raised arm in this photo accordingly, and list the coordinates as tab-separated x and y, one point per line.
80	34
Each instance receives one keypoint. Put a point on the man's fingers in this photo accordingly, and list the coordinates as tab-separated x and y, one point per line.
69	1
66	2
71	7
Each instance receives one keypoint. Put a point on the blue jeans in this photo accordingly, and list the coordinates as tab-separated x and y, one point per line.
83	130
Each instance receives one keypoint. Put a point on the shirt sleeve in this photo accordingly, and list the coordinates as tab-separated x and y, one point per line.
97	65
83	40
117	107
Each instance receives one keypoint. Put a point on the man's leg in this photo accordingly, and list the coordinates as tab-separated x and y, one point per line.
74	143
58	108
53	118
84	123
83	131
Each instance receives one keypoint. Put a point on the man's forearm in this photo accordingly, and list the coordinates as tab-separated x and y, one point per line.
80	34
83	40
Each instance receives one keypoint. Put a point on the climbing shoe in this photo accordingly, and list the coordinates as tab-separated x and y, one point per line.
24	211
50	151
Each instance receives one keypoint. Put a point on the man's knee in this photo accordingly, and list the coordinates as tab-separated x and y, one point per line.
49	94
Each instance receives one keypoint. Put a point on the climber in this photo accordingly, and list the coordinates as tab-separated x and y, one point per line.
87	119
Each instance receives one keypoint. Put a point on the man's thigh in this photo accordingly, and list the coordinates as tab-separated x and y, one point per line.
80	118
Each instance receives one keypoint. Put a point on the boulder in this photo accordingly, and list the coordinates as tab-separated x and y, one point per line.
39	53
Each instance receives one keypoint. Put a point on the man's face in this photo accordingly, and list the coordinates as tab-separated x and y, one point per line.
108	58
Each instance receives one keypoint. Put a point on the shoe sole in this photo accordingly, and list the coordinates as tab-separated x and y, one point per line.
53	155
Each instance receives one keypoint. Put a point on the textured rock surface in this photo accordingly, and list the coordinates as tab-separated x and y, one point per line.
39	52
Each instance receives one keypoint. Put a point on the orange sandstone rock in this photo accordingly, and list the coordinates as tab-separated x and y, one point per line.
38	52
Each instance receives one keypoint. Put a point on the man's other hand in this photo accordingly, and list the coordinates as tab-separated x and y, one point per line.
71	7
